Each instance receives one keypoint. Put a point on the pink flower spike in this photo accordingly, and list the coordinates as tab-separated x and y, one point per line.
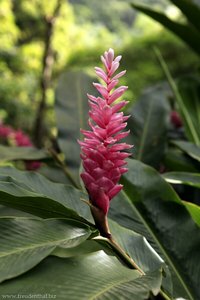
103	156
119	75
117	93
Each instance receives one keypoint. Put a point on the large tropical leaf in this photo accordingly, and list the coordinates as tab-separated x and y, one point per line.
24	242
59	194
33	193
93	276
187	178
71	107
148	124
134	244
21	153
186	32
151	207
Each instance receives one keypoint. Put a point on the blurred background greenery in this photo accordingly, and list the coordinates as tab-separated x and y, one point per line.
48	46
81	31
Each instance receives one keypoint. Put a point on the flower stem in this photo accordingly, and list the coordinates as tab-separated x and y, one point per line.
127	259
120	252
63	167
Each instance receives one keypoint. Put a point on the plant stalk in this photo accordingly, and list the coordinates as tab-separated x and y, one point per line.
60	162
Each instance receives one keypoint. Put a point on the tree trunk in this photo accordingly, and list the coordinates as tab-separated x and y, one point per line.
46	77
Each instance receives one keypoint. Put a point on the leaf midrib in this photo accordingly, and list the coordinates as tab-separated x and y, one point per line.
115	284
52	243
160	247
144	132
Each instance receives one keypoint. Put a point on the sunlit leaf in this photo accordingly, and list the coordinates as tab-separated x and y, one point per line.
194	211
187	178
186	32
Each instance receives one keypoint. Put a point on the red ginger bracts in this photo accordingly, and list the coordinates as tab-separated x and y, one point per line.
102	154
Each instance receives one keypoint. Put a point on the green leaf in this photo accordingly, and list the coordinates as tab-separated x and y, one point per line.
94	276
152	208
143	254
176	160
189	148
148	123
71	107
186	32
36	195
185	105
189	89
194	211
192	179
21	153
24	242
190	10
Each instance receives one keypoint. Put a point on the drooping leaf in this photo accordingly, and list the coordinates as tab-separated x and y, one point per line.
151	207
148	124
36	195
24	242
189	148
21	153
186	32
93	276
142	252
135	245
71	107
190	10
192	179
194	211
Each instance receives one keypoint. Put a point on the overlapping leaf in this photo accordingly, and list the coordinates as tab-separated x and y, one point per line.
93	276
34	194
153	209
24	242
69	198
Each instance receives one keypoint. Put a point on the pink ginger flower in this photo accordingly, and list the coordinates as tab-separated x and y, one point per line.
102	154
5	131
175	119
21	139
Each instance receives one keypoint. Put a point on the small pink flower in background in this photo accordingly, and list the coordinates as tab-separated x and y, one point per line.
175	119
102	153
20	139
5	131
